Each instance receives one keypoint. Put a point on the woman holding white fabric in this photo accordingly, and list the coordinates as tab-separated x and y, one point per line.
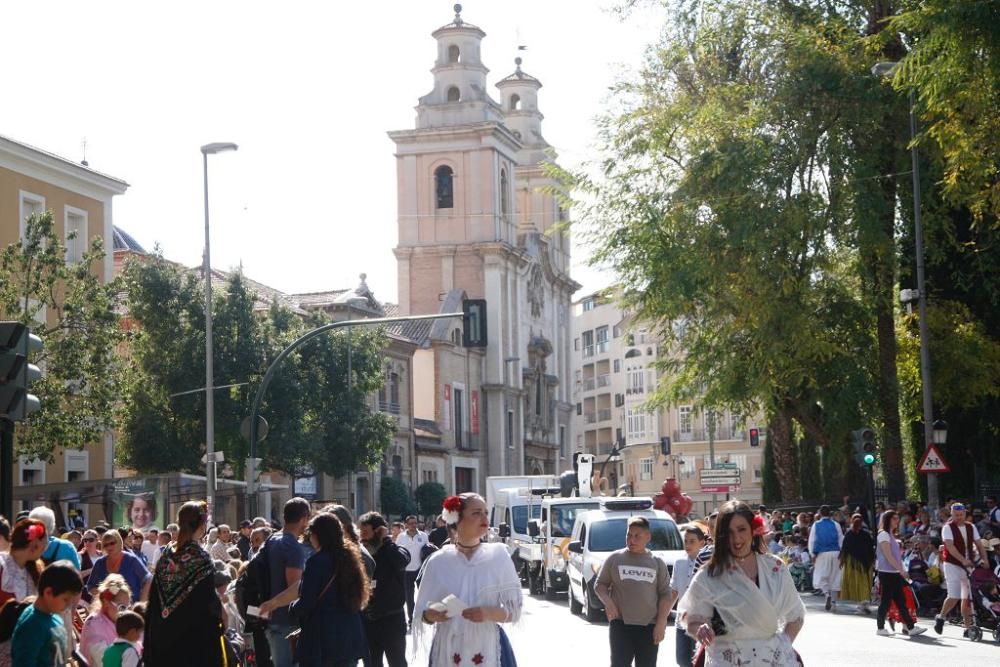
481	576
742	607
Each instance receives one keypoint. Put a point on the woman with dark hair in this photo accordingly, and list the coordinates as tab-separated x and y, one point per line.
332	593
892	576
742	606
857	556
184	616
20	569
468	588
351	533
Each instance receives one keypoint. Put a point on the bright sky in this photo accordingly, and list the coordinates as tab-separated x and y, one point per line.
308	89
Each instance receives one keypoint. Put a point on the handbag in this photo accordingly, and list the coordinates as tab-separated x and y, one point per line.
293	636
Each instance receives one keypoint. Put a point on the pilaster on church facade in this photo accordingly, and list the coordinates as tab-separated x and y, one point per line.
477	219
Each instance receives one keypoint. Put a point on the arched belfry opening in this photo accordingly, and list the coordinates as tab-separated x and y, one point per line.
515	103
454	94
444	187
454	54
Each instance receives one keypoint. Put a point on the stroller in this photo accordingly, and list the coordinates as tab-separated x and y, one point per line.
985	603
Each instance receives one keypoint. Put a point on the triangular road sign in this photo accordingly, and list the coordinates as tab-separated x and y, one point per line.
932	461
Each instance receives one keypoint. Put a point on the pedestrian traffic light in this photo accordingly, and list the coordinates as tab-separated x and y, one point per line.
755	437
16	374
864	446
474	323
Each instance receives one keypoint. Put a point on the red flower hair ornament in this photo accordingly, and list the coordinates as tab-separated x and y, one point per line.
758	525
36	531
450	509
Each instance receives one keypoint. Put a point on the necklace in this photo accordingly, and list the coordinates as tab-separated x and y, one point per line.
466	546
743	558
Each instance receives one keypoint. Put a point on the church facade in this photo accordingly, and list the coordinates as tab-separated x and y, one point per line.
477	219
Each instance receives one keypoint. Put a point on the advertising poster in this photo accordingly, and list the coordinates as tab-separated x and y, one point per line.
137	504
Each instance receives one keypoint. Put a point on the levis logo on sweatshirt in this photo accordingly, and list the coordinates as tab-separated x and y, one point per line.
644	574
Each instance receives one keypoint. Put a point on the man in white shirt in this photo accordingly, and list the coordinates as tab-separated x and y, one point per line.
414	542
963	547
150	548
220	549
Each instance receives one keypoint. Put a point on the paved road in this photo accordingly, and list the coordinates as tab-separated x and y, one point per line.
549	635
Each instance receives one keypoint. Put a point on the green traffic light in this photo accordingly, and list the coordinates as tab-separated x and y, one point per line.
869	459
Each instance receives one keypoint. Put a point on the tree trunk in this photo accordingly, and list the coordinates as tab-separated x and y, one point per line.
782	448
880	258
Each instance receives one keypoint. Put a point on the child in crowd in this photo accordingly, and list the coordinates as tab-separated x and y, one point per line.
125	651
800	565
40	638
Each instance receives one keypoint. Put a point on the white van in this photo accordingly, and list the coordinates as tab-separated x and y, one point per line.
597	533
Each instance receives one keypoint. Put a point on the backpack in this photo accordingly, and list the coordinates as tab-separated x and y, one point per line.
254	586
10	612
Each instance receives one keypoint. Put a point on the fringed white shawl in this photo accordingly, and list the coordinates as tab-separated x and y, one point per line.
486	579
754	616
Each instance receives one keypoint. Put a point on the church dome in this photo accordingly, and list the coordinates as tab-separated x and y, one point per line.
125	241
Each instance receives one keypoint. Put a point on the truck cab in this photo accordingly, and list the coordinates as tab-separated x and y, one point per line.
597	533
543	558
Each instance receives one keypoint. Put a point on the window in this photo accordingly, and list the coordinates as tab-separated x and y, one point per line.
588	343
610	535
30	205
735	426
579	408
617	331
510	426
635	425
634	383
397	466
429	475
646	469
588	305
562	441
539	397
465	479
576	344
504	195
684	419
394	393
454	95
602	339
76	234
617	365
444	187
515	103
459	423
454	54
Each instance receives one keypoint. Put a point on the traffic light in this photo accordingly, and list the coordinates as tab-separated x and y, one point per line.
474	323
16	374
755	437
864	446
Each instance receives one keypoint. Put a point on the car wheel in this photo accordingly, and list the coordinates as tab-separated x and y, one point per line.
550	593
589	612
574	606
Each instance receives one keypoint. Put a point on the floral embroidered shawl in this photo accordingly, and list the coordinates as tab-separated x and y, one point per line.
178	573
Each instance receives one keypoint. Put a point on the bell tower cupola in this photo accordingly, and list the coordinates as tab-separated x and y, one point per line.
519	96
459	96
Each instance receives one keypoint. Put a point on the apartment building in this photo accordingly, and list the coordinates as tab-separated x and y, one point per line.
614	377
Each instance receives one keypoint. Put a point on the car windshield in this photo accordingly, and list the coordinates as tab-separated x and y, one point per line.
563	517
610	535
519	517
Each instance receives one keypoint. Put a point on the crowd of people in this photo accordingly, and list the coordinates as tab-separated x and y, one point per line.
739	591
267	593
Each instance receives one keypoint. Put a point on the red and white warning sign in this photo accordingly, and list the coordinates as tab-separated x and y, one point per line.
932	461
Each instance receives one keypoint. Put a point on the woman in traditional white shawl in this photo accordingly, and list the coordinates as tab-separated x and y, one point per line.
482	577
753	594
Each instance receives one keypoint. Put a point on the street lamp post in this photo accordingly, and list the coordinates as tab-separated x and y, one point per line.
206	150
886	69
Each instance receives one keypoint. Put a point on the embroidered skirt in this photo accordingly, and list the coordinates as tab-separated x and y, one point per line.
775	651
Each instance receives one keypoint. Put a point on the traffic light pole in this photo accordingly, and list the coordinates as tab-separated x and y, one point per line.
269	375
7	468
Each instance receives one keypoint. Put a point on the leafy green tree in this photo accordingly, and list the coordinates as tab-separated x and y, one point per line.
318	414
82	378
430	497
771	489
394	497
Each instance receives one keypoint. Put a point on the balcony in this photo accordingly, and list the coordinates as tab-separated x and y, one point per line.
388	406
602	347
467	441
604	415
590	418
701	435
588	350
588	384
604	380
637	391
